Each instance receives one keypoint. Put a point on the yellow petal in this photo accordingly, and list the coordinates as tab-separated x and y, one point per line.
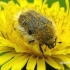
52	63
61	46
41	64
23	3
5	49
53	11
60	52
38	2
10	63
19	64
3	19
3	4
31	63
55	8
48	51
44	2
13	61
5	42
0	9
67	4
68	50
65	59
58	62
4	58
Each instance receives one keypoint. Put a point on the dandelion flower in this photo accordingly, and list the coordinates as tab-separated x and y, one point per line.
15	52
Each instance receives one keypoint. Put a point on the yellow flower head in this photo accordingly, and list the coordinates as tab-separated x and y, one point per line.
16	52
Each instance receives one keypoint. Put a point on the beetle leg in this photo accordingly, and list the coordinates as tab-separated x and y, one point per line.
41	50
31	41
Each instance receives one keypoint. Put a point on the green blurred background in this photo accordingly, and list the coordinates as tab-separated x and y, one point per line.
49	2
